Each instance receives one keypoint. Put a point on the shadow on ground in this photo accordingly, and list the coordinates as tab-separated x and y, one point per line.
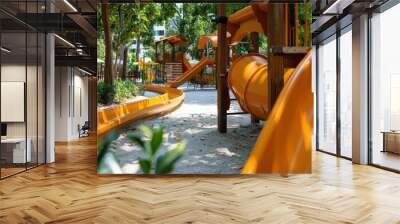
208	151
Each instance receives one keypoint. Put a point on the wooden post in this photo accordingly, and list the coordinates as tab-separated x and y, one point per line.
92	103
163	52
296	25
173	52
255	48
163	61
222	58
255	42
306	26
277	38
156	51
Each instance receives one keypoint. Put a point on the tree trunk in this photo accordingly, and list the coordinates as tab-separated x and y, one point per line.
137	48
124	63
108	78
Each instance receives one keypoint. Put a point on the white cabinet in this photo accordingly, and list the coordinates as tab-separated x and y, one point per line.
17	146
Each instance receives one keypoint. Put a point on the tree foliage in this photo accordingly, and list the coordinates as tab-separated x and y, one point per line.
129	22
191	21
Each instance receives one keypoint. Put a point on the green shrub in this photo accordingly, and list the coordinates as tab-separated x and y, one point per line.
124	89
121	90
105	92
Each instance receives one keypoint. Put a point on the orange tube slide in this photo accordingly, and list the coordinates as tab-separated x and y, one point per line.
247	79
284	144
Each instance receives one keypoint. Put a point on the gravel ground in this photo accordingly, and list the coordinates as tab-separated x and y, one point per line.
208	151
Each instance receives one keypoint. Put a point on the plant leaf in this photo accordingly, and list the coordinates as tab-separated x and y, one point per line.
104	145
156	140
166	162
146	131
145	145
137	140
145	165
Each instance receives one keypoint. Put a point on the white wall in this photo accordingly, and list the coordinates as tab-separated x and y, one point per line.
71	102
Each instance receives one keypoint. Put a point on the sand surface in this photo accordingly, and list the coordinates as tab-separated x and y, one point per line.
208	151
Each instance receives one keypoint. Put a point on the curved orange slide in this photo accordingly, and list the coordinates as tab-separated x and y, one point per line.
284	144
189	73
111	118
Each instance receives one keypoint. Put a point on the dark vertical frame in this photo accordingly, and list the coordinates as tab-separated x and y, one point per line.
316	97
369	97
338	93
1	53
37	90
44	79
26	87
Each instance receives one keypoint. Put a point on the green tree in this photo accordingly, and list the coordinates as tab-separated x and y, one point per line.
192	21
108	76
132	21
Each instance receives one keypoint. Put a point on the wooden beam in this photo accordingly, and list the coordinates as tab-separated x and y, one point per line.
296	26
307	42
92	103
261	17
221	64
277	37
255	48
255	42
163	52
173	52
156	51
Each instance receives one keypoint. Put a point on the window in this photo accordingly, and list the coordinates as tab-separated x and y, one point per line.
385	89
327	96
346	93
159	32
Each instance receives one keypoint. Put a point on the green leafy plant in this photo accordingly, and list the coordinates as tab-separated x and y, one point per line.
124	89
156	161
106	160
105	92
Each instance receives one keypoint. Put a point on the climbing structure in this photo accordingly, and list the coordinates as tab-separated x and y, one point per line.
275	88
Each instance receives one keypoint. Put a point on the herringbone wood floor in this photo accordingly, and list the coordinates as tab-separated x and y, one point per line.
70	191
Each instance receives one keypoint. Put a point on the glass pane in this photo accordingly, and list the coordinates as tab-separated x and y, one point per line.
327	96
385	115
346	94
31	100
41	99
14	153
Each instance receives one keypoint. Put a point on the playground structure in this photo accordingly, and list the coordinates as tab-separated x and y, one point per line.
275	88
175	66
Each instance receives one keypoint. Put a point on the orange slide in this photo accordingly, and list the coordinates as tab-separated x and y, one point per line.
168	100
284	144
189	73
186	64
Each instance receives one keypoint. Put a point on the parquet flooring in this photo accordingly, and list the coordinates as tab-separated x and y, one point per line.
70	191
